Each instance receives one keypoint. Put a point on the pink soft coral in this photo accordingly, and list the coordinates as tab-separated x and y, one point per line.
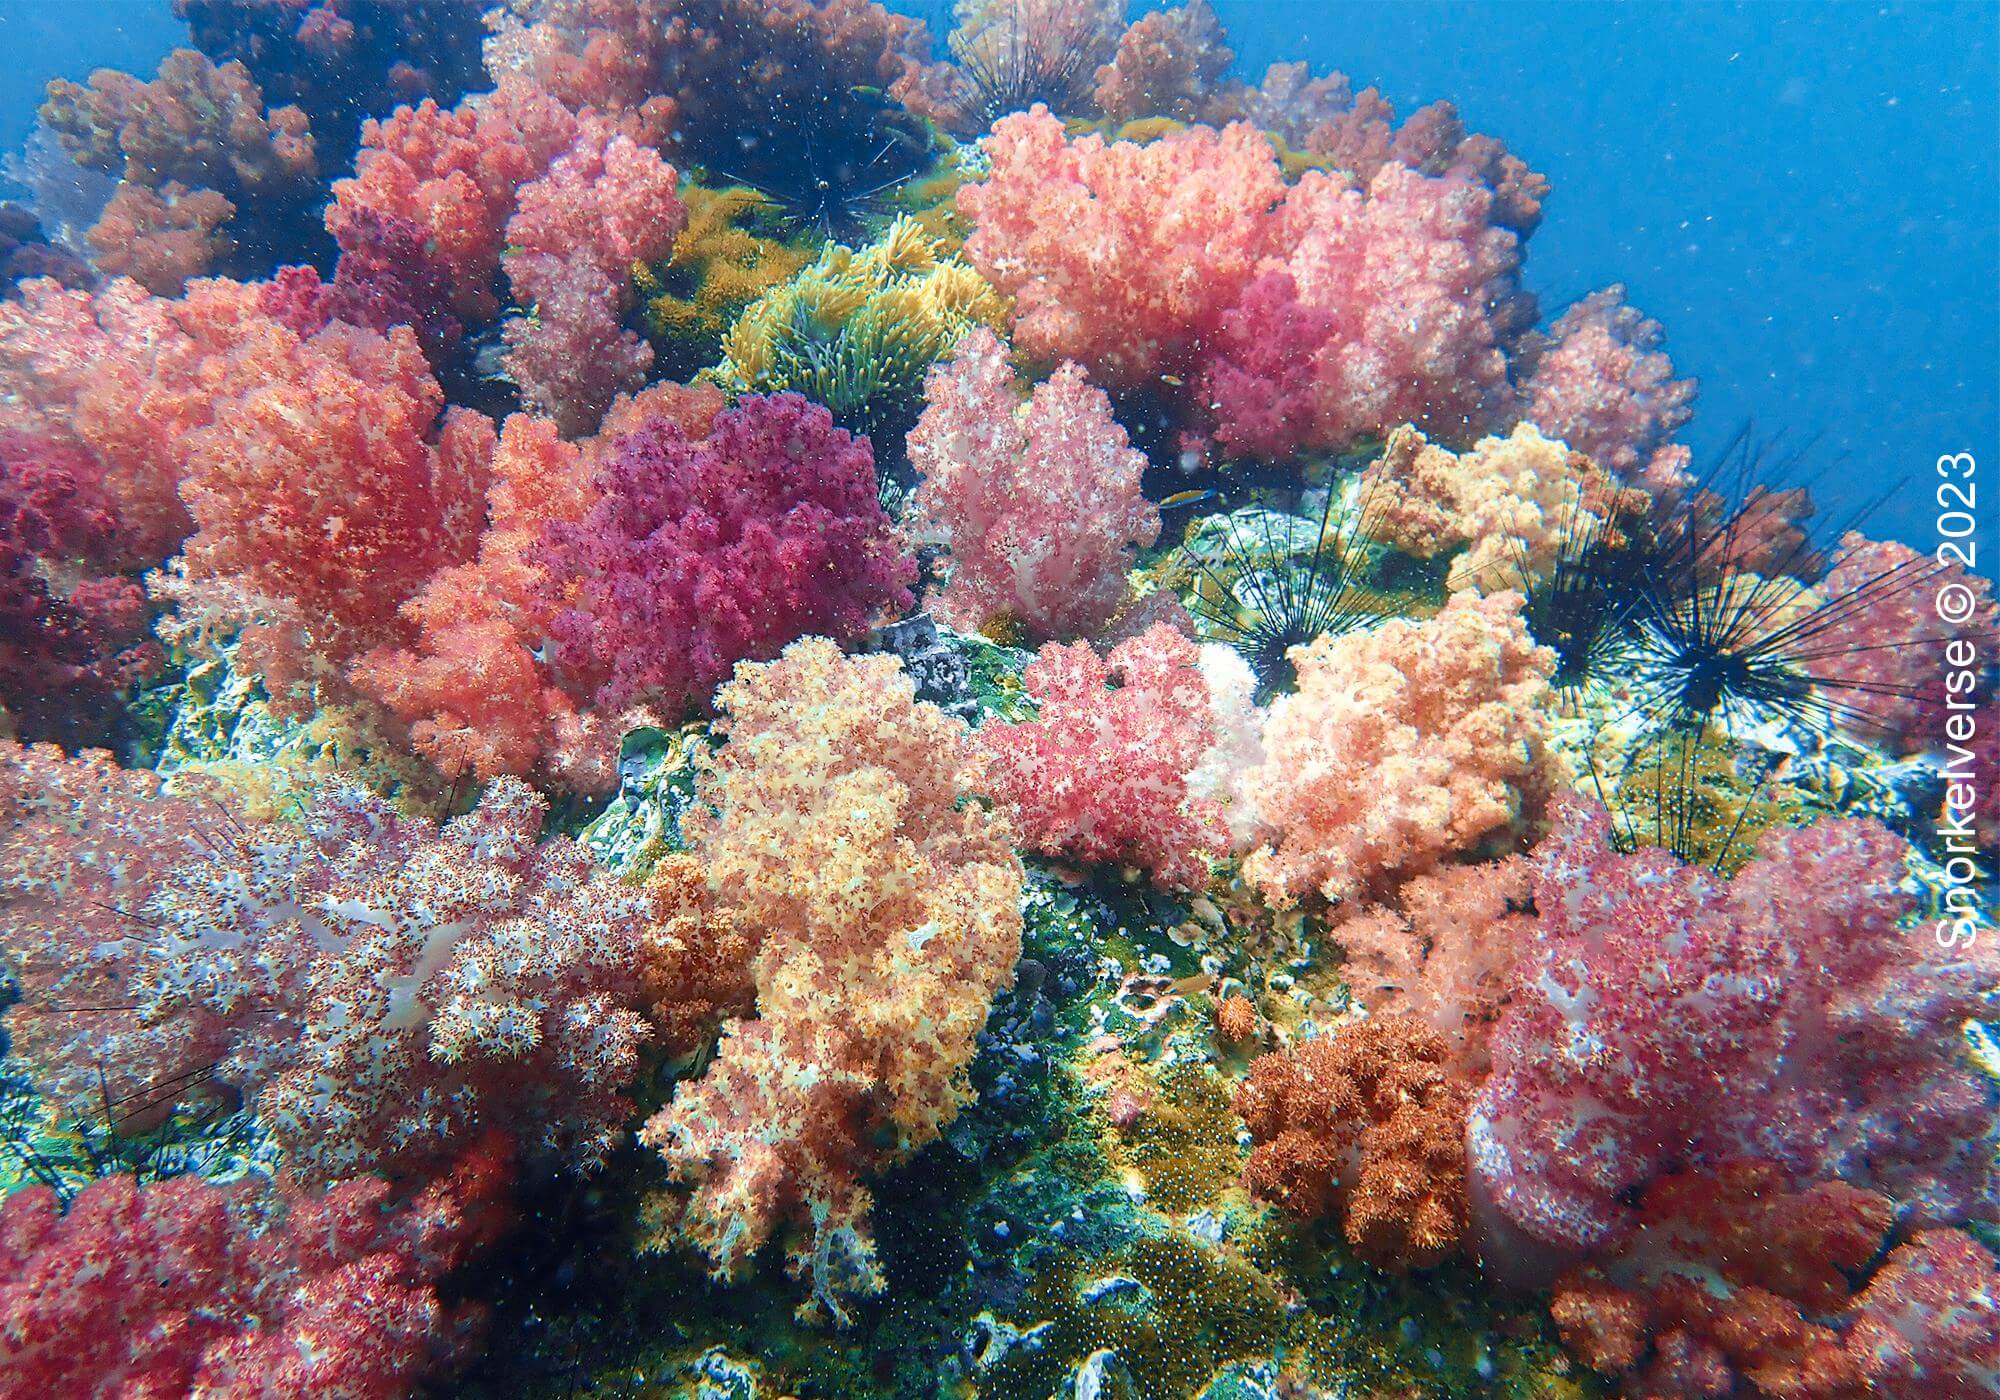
84	845
253	1288
1604	386
1393	295
1665	1016
1101	773
1403	747
1882	653
473	684
704	552
455	174
843	827
1039	502
1313	313
1120	256
1168	64
1443	949
576	232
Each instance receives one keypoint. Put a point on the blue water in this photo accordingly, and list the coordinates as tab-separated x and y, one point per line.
1806	194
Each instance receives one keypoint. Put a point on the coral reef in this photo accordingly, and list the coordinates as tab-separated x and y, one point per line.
986	721
842	831
1039	502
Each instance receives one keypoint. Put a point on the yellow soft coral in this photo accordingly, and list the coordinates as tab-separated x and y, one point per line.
857	331
1511	502
719	266
845	832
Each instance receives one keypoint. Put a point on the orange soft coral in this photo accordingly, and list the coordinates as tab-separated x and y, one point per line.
1736	1278
1367	1121
841	827
321	499
1403	746
696	957
1509	503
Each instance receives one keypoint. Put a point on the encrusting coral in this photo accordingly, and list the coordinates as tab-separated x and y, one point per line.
888	907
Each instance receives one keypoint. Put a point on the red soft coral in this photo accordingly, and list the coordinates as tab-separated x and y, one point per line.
705	552
321	499
248	1289
1101	773
71	632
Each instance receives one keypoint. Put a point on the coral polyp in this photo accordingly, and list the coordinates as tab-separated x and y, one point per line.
757	700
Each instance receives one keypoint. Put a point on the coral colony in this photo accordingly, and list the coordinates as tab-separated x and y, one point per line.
719	698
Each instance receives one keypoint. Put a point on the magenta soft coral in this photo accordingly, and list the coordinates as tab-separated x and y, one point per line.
1101	773
1039	501
705	552
1665	1016
254	1288
71	631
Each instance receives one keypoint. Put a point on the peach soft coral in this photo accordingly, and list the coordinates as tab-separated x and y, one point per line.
839	822
1404	746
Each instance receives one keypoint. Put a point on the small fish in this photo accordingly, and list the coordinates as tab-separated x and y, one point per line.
1187	498
1173	379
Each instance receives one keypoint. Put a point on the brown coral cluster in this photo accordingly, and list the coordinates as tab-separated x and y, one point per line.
1369	1122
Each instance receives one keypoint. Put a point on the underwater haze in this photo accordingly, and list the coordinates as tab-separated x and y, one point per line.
999	700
